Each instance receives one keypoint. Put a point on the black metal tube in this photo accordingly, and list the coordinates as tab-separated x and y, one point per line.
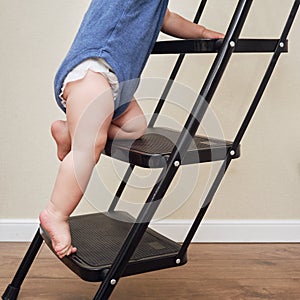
169	171
28	259
13	289
157	110
241	131
121	188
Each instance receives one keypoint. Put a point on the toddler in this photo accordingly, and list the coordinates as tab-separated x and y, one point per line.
95	86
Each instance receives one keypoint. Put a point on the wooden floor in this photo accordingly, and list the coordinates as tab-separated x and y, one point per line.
214	271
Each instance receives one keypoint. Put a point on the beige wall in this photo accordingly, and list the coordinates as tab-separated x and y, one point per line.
262	184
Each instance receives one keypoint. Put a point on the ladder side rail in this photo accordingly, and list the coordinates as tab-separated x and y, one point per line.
121	188
169	171
157	111
241	131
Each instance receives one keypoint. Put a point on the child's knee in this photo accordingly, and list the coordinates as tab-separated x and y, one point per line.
89	151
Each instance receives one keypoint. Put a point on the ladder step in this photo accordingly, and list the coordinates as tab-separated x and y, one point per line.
99	237
153	149
214	45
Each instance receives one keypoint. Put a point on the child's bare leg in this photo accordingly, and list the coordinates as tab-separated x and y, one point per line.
89	113
61	135
130	125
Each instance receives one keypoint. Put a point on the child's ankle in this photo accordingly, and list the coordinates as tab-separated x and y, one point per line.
52	212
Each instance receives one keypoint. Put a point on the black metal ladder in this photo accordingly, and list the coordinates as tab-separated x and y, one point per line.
114	244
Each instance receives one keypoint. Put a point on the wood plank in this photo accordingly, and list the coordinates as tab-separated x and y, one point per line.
237	251
136	288
207	289
54	289
41	268
217	251
218	269
213	272
17	250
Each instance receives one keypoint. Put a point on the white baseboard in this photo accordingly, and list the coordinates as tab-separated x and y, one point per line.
212	231
234	231
17	230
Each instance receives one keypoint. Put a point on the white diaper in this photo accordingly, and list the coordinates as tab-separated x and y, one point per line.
94	64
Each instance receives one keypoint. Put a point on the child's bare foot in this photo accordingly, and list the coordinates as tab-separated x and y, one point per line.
60	133
59	232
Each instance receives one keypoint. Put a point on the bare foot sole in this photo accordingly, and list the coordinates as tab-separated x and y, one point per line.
59	233
60	133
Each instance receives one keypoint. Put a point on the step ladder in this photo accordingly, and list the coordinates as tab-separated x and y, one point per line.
113	244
